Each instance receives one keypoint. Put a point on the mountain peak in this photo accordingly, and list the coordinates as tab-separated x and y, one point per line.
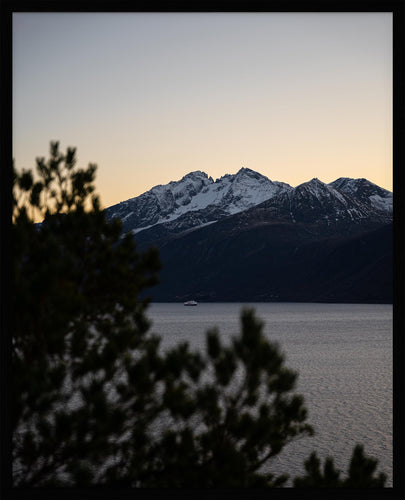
314	186
196	200
365	191
249	173
245	170
314	182
195	174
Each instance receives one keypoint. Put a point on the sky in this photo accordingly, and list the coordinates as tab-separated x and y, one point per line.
150	97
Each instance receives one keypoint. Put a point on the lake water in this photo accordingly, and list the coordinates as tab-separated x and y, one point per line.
343	354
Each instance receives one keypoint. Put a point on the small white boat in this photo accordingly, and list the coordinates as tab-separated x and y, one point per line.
190	303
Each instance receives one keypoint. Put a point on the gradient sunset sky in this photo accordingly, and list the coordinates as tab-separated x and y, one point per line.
150	97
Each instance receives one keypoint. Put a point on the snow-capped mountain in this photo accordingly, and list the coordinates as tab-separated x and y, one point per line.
196	199
316	202
365	191
245	237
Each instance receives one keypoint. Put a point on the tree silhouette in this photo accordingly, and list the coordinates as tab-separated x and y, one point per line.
360	473
95	399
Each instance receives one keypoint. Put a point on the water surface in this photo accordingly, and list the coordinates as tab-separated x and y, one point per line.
343	354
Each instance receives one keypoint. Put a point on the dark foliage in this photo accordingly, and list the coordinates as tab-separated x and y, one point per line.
95	401
360	473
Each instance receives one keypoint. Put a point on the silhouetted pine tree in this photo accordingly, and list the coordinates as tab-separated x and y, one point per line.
95	401
360	473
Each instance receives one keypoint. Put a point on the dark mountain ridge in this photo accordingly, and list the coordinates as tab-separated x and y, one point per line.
276	262
245	238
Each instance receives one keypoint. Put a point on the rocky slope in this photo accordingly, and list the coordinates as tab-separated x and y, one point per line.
198	197
246	238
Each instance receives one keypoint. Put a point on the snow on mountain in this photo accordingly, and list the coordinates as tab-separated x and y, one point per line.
315	202
193	193
233	193
366	192
323	194
248	188
330	203
197	199
319	191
